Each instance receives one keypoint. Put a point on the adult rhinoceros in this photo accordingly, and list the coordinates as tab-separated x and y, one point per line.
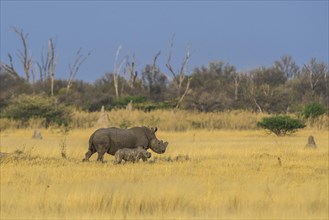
109	140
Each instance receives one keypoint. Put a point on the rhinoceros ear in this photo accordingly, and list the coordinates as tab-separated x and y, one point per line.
154	129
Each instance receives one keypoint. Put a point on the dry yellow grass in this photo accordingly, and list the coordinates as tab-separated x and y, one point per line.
228	174
166	120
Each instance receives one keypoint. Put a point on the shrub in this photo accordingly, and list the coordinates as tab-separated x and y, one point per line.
281	125
26	107
313	110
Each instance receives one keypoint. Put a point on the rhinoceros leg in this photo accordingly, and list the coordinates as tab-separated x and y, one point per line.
100	156
101	151
88	155
118	159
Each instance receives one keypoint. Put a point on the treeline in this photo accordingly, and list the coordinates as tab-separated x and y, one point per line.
281	88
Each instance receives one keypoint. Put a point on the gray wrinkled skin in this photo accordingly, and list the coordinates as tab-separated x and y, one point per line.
131	155
109	140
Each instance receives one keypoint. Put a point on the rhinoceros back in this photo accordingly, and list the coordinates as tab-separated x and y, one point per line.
128	138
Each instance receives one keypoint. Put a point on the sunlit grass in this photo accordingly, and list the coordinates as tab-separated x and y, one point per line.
226	174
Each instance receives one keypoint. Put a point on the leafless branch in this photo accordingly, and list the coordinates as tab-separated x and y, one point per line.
181	75
131	69
316	72
187	90
11	63
155	60
44	65
79	60
116	71
183	70
168	65
40	71
8	69
23	56
237	79
52	64
154	66
116	58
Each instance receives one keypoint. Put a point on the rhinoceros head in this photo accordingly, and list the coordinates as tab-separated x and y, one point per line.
147	154
156	145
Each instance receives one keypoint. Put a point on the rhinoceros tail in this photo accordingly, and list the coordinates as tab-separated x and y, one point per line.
91	143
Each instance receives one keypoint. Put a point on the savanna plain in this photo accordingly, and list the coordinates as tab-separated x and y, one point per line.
204	174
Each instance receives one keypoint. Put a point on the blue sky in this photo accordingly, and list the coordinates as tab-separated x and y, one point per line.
246	34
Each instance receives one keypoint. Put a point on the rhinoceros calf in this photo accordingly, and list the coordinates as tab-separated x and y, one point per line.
131	155
109	140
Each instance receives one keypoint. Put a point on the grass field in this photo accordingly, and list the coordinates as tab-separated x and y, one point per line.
203	174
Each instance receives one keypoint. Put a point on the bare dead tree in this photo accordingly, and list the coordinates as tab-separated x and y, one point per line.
132	72
5	68
43	66
23	56
183	71
186	91
237	79
154	66
9	68
40	71
32	74
316	72
116	71
181	76
252	91
79	60
168	64
51	65
153	79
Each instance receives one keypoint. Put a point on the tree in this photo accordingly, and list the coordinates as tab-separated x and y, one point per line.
313	110
237	79
47	65
78	61
25	58
261	88
116	71
8	69
182	75
252	91
317	74
154	80
287	66
52	64
281	125
11	86
81	94
26	107
132	72
211	87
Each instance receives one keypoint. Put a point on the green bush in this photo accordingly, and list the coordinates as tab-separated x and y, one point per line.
281	125
313	110
26	107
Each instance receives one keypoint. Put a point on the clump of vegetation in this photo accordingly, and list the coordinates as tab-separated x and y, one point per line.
26	107
281	125
313	110
178	158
